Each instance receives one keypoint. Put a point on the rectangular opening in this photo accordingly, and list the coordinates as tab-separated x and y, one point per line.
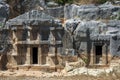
98	52
35	55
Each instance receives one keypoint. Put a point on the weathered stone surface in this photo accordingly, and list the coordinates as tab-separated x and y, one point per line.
68	67
86	71
34	17
114	46
57	12
4	10
4	42
89	23
52	4
117	2
98	30
92	12
18	7
71	25
88	12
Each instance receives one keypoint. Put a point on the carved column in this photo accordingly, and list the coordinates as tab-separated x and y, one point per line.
28	35
104	55
39	49
28	32
92	59
52	42
106	52
51	56
52	50
38	38
39	55
14	52
28	55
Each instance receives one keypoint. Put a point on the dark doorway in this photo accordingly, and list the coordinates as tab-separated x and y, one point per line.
98	52
35	55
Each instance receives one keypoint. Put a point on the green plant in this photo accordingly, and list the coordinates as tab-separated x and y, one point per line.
101	1
63	2
119	16
92	1
0	24
85	60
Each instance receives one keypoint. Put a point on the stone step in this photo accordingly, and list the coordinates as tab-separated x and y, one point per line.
98	66
114	64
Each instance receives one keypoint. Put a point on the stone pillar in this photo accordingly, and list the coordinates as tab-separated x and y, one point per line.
105	54
13	61
52	39
38	36
52	42
92	60
14	51
28	35
39	55
28	56
52	50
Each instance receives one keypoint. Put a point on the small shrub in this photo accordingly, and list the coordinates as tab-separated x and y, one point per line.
91	1
1	24
63	2
101	1
119	16
85	60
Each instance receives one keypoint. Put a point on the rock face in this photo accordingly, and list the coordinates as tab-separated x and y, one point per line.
57	12
18	7
92	12
115	47
86	23
93	72
4	10
117	2
77	29
4	14
87	12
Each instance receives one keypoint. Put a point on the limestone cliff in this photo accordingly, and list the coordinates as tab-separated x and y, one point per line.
18	7
79	17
